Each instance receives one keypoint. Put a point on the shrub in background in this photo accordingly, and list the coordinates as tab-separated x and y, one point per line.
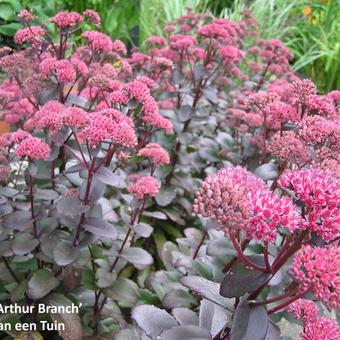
83	167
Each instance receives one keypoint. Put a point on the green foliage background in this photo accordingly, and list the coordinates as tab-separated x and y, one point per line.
313	38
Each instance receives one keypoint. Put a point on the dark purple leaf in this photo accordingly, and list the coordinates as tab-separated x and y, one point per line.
249	323
178	298
96	191
73	327
18	220
273	332
207	289
133	104
241	280
65	253
5	248
41	283
100	227
106	176
155	214
46	194
211	94
23	244
213	317
74	168
78	101
71	206
177	77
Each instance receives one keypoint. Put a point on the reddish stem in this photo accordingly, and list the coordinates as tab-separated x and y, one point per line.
242	257
277	298
286	303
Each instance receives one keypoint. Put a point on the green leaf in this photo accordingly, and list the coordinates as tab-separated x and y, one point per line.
147	297
41	283
7	12
18	292
88	279
9	29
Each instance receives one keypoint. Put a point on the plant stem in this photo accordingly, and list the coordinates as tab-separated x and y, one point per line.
200	244
281	259
241	256
266	257
230	264
10	270
286	303
85	201
135	218
277	298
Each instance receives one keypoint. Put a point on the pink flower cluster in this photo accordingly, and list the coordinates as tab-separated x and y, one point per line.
92	16
320	194
287	147
315	327
223	196
26	15
231	54
66	20
140	91
317	270
146	186
32	34
32	148
98	41
157	155
268	213
109	125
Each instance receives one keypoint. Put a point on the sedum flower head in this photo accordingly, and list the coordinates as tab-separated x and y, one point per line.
317	269
33	148
98	41
223	196
314	327
320	193
269	212
147	186
66	19
157	154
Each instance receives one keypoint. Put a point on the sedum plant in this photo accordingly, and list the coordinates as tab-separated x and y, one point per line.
189	191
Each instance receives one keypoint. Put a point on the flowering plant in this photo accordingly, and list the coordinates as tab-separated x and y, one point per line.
104	144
